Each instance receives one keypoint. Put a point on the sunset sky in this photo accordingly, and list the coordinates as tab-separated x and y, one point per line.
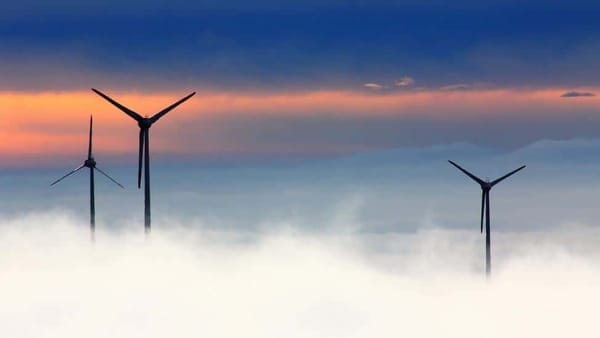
296	78
304	190
324	102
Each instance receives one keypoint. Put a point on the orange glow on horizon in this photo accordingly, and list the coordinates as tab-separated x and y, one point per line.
36	123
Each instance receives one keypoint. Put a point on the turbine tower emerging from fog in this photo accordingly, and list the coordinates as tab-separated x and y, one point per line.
486	186
90	163
144	146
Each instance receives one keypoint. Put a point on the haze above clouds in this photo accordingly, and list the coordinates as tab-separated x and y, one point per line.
386	191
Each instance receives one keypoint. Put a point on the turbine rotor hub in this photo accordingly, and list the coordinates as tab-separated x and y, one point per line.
90	163
145	123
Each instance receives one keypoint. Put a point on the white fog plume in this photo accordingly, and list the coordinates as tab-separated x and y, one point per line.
185	283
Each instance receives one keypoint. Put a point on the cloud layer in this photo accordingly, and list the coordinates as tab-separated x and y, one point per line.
382	243
190	284
577	94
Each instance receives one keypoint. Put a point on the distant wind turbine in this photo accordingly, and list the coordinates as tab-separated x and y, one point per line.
90	163
144	146
486	186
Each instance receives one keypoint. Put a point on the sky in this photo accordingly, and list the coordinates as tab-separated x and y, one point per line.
304	190
334	105
296	79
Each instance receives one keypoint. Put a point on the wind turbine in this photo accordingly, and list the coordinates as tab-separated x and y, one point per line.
144	146
90	162
486	186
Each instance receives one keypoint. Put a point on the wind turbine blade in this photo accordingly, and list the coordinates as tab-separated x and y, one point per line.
506	176
169	108
473	177
483	193
110	178
90	142
70	173
141	154
126	110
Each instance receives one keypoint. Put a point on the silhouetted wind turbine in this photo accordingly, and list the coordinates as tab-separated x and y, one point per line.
90	163
144	146
486	186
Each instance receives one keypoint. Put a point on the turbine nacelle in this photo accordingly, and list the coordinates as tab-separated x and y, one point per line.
145	123
90	163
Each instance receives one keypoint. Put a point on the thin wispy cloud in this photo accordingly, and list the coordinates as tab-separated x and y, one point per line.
372	85
457	86
577	94
405	81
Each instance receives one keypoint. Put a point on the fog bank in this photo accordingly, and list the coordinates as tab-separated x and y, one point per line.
184	282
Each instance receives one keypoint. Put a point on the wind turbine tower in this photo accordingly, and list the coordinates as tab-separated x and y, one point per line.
90	163
486	186
144	123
